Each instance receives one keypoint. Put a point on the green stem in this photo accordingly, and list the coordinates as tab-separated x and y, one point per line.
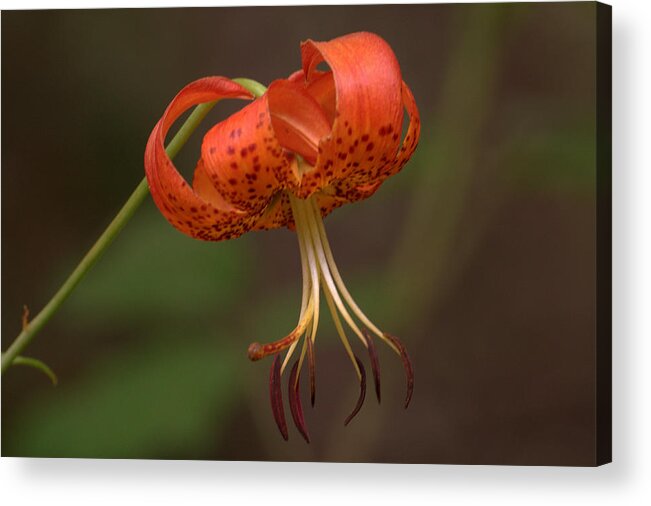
254	87
111	232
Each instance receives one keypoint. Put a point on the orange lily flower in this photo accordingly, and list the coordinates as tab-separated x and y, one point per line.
311	143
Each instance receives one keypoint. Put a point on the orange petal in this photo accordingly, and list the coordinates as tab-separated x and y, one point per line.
278	214
346	190
369	109
205	189
322	89
244	160
298	120
410	142
193	214
340	193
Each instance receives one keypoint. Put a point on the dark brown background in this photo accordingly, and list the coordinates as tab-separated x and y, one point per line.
480	254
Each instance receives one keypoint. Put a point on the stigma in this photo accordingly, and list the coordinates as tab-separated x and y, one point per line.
321	276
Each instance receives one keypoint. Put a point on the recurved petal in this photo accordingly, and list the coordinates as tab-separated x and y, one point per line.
410	142
189	212
322	89
247	159
368	119
298	120
348	190
244	160
277	214
341	193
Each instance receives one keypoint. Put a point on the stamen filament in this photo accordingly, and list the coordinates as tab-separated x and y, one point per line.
301	219
318	266
340	282
327	278
305	273
289	354
342	334
303	350
319	270
307	284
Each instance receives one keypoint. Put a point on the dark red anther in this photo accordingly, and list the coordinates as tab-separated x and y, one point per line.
295	403
406	363
362	392
277	397
311	368
375	363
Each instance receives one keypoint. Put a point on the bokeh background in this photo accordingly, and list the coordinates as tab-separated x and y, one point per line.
480	254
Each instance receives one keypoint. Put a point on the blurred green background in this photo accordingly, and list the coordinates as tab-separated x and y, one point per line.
480	254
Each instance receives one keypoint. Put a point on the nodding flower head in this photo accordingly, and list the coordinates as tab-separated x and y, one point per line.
311	143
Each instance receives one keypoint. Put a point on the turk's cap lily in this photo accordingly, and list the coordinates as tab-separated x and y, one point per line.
309	144
345	124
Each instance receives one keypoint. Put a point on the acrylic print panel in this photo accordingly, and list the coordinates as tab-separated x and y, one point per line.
488	254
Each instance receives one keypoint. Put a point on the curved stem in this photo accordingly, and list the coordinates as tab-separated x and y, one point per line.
111	232
258	89
36	364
